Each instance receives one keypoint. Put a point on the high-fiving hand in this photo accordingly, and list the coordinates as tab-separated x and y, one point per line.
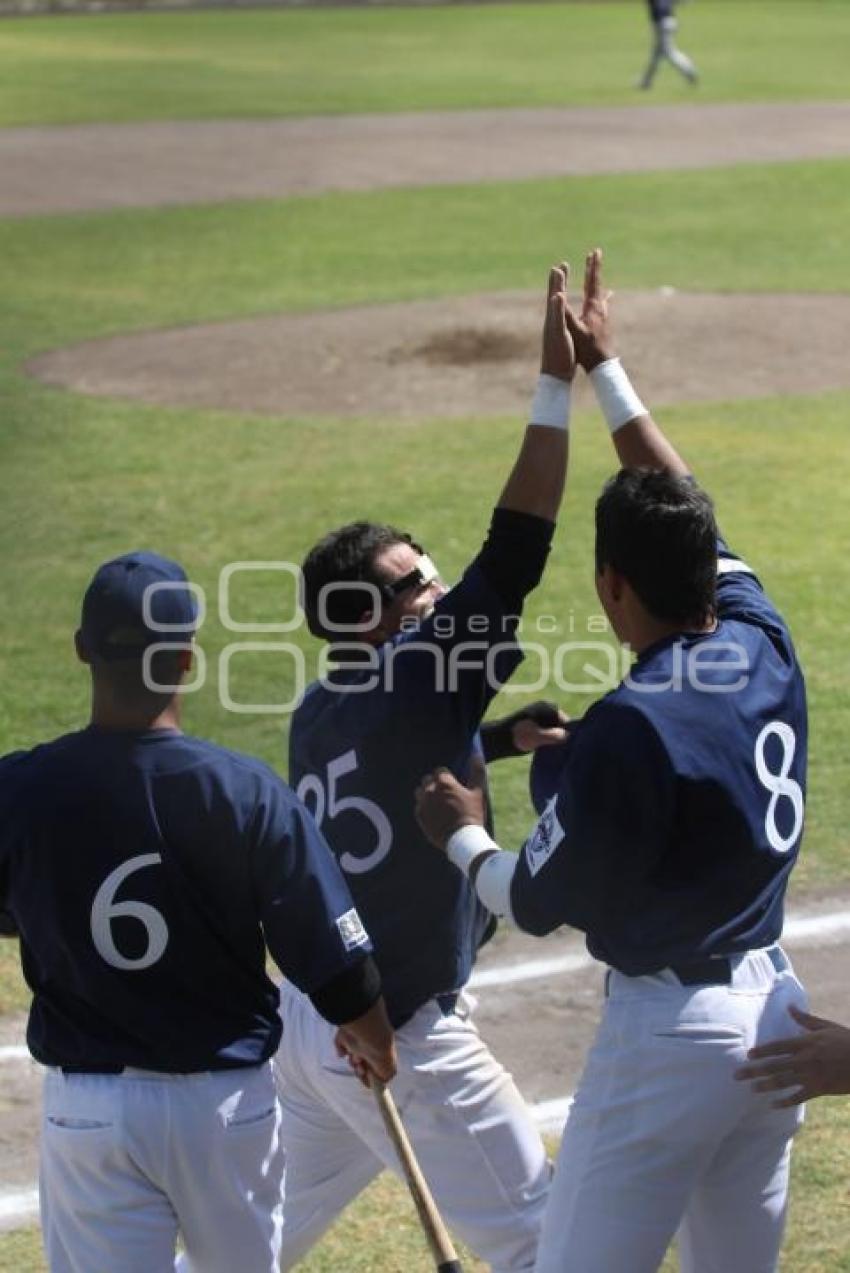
559	355
591	330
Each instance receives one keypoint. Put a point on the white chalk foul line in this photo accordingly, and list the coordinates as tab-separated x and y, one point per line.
531	970
550	1116
18	1052
814	930
18	1204
801	930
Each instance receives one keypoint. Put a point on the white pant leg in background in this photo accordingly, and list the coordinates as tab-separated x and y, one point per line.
129	1160
664	47
661	1134
472	1134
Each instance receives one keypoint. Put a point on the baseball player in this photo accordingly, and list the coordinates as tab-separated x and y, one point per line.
145	872
670	822
419	666
664	27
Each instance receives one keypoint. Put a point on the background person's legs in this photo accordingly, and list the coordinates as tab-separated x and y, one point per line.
664	48
674	55
655	56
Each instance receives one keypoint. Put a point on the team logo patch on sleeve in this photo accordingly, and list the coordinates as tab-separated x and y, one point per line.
545	838
351	930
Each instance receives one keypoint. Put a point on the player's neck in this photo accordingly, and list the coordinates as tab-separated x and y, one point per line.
109	714
650	631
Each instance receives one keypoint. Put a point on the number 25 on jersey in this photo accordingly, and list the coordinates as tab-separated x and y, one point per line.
312	792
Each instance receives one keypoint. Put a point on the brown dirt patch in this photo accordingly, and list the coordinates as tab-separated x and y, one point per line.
459	357
77	168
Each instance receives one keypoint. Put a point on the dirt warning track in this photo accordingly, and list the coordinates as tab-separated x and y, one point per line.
97	167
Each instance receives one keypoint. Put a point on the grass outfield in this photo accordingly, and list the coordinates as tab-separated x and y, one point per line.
379	1230
225	64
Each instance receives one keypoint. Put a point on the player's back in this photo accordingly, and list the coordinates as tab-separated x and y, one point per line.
356	768
128	872
685	789
726	715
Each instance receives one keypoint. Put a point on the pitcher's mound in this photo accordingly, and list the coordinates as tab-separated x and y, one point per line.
463	356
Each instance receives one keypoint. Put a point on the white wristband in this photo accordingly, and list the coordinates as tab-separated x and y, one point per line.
615	394
466	844
551	403
493	883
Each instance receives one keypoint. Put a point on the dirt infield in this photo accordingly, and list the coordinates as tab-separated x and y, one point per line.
102	166
453	357
461	356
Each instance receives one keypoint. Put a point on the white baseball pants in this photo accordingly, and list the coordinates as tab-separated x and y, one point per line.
664	49
129	1160
661	1137
471	1131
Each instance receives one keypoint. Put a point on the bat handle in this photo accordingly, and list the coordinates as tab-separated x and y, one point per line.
442	1250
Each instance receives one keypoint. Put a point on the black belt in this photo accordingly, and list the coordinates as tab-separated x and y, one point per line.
717	971
704	972
92	1069
713	970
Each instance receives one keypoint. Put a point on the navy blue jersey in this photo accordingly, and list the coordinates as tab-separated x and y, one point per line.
142	871
674	812
356	757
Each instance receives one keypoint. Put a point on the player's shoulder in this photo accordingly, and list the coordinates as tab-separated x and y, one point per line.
14	770
239	765
349	705
742	596
250	787
26	775
317	714
17	767
14	762
623	725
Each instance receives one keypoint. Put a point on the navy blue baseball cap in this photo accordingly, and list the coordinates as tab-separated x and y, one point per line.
135	601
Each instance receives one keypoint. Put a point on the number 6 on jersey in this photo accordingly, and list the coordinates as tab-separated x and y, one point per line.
104	910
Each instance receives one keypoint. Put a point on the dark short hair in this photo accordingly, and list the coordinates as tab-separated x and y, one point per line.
659	532
346	555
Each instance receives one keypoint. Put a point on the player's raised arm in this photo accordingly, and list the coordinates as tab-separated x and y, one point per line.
637	438
536	482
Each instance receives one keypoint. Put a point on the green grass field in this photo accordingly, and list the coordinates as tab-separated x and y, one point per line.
217	65
84	478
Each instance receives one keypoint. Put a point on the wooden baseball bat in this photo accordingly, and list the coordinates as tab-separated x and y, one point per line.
445	1256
